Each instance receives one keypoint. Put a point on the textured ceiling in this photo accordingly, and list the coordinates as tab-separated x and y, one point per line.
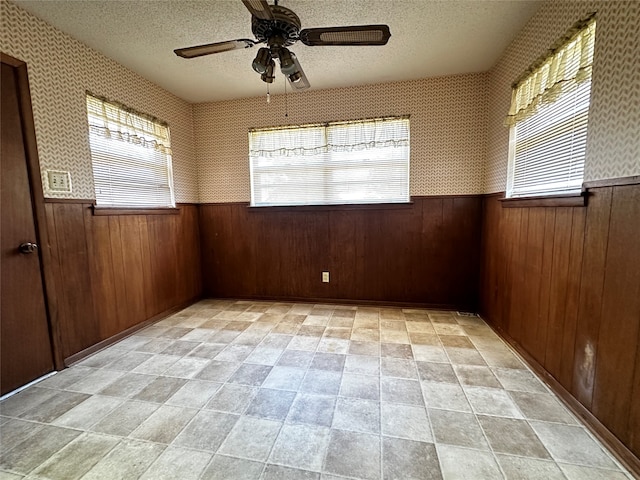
429	38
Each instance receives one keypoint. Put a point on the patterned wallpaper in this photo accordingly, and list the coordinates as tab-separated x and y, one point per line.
458	141
613	138
61	69
448	131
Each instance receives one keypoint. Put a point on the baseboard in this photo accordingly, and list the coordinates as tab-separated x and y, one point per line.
619	450
81	355
347	301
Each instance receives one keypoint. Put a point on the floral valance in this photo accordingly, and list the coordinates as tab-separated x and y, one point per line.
116	121
316	139
561	69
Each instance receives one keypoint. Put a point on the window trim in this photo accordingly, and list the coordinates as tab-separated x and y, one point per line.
563	200
105	211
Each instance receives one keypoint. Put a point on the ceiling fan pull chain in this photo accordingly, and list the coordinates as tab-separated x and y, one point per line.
286	104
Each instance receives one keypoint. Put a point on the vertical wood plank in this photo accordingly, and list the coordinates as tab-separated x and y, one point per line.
620	318
518	275
540	343
120	286
466	226
150	292
345	250
532	268
634	413
558	286
55	287
432	231
101	273
132	262
590	305
574	282
80	329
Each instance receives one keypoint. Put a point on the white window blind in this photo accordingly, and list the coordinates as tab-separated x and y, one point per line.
364	161
131	156
549	117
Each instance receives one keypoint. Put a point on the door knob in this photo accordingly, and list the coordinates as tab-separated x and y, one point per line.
28	247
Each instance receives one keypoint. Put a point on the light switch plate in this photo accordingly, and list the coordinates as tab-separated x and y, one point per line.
59	181
325	277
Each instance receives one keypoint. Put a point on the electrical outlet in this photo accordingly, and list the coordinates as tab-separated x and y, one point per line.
59	181
325	277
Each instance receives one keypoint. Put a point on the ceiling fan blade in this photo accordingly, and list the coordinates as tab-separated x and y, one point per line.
259	9
301	82
210	48
353	35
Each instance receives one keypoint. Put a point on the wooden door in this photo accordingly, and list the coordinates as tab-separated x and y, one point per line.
25	340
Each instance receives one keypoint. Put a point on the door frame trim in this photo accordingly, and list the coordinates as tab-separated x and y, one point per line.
37	200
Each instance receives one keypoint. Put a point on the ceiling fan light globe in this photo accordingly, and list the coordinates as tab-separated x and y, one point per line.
262	60
287	63
288	69
295	77
268	76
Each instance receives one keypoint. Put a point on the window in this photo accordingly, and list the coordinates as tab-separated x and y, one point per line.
548	119
364	161
131	156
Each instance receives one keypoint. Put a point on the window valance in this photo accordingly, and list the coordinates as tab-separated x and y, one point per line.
564	67
315	139
114	121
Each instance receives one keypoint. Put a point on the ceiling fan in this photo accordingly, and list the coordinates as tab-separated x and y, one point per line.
279	28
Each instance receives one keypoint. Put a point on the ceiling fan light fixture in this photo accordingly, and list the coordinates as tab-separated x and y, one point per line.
295	77
262	61
268	76
287	64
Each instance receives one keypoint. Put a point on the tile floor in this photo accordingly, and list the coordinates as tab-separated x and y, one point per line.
253	390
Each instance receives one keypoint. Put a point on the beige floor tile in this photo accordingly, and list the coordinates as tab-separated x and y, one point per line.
228	389
445	396
194	394
462	463
77	458
27	399
55	406
405	421
251	438
175	462
491	401
530	468
457	428
206	431
403	458
512	436
33	450
129	459
572	444
357	415
126	418
164	424
89	412
226	468
352	454
542	406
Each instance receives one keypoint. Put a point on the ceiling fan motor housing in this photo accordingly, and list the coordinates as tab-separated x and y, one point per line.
285	24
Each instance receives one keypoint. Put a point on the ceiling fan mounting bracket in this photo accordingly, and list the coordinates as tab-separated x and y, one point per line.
285	24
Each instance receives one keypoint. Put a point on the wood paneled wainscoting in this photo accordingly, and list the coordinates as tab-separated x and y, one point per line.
112	273
562	284
425	252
